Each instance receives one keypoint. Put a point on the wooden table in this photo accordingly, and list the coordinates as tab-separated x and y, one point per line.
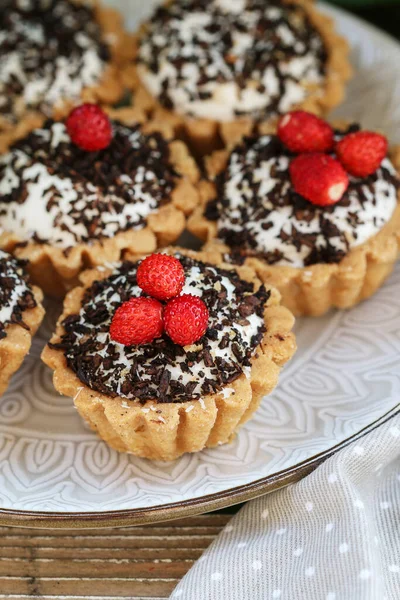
142	562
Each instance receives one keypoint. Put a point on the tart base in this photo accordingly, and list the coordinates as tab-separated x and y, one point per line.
107	92
165	431
16	345
312	290
56	271
204	136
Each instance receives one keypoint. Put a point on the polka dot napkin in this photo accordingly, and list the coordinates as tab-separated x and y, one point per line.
335	535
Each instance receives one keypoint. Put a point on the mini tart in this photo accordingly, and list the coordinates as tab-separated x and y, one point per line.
21	314
317	257
55	55
161	400
65	209
215	70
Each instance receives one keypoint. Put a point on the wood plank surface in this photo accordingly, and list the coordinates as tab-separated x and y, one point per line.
135	563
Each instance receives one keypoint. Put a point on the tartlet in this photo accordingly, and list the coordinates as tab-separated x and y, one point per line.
65	209
55	55
160	400
215	69
21	314
318	257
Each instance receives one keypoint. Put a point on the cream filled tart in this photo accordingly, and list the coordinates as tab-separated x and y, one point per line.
159	398
21	314
54	54
215	68
332	252
65	208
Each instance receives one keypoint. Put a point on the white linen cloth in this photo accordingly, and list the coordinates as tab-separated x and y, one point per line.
335	535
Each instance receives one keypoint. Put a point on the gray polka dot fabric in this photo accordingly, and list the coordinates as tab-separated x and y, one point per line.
335	535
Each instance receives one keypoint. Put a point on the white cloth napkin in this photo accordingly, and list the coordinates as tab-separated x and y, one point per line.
335	535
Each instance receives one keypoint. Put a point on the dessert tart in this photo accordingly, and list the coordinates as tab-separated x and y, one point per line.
158	377
21	314
215	68
54	54
323	235
65	208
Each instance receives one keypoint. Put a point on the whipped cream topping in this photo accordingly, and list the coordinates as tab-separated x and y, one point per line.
259	214
15	292
50	50
53	192
226	58
162	370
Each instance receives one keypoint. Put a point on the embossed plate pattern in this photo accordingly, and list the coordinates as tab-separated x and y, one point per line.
343	379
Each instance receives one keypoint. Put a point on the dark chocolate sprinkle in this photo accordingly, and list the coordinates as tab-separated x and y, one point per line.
213	55
144	372
237	226
134	169
13	275
48	36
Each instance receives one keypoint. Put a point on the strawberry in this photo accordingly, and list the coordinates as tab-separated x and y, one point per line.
186	319
303	132
137	321
319	178
89	128
161	276
361	153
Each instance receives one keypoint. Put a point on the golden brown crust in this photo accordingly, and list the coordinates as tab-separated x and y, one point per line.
205	135
165	431
56	272
315	289
107	92
16	345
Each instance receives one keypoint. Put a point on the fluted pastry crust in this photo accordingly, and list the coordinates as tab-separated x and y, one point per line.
16	345
206	135
315	289
56	271
106	92
165	431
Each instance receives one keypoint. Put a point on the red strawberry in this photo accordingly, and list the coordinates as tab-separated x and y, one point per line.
319	178
137	321
186	319
362	152
89	127
303	132
161	276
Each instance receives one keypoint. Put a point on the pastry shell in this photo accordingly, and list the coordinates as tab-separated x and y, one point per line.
206	135
165	431
106	92
16	345
312	290
56	271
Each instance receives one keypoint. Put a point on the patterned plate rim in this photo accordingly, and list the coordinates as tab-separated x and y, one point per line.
210	502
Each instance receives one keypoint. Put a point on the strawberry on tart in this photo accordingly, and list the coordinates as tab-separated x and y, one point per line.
55	54
214	69
21	314
171	354
313	209
81	193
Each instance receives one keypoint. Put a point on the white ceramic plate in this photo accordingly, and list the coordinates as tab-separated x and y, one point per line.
343	381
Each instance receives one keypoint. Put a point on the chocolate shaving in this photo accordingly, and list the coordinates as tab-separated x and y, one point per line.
13	276
239	225
162	370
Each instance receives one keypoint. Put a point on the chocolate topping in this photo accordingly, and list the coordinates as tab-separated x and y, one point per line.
16	295
271	44
259	214
50	50
162	370
86	195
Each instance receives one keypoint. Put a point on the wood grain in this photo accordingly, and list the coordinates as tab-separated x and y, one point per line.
135	563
